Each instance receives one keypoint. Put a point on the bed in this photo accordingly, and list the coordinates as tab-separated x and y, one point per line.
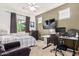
24	38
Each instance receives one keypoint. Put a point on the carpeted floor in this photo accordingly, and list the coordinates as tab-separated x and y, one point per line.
38	51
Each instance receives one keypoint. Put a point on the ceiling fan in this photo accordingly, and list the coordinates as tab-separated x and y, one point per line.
32	7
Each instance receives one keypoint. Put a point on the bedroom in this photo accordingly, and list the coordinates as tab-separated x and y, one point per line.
28	22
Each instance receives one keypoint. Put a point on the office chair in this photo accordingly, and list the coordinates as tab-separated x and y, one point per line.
58	43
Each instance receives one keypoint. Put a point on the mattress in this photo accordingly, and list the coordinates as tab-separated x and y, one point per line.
24	39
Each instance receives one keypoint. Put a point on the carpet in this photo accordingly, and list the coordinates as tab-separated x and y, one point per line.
38	51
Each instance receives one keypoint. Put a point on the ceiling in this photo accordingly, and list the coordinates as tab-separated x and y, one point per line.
23	7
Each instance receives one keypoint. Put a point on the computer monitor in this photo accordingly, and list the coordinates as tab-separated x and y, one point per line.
61	29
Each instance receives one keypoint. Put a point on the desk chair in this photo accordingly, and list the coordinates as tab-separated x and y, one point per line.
59	44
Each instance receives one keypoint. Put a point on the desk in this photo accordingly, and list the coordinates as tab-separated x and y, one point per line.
70	38
45	40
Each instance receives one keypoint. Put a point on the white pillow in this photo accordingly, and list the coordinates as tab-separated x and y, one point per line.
3	32
2	49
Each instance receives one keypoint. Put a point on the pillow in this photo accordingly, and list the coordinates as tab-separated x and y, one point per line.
2	49
11	45
3	32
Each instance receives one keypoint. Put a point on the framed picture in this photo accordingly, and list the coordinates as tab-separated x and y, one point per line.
31	24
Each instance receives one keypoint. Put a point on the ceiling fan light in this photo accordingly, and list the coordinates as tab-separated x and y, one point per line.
36	6
33	8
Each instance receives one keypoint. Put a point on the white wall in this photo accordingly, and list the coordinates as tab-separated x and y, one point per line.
4	20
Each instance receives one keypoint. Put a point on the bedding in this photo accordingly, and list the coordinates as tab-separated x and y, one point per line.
25	39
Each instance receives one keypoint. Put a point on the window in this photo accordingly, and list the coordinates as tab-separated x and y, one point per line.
40	20
20	23
64	14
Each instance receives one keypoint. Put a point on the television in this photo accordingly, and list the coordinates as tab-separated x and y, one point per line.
49	24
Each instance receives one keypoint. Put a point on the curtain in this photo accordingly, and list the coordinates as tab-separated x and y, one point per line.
13	28
27	24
